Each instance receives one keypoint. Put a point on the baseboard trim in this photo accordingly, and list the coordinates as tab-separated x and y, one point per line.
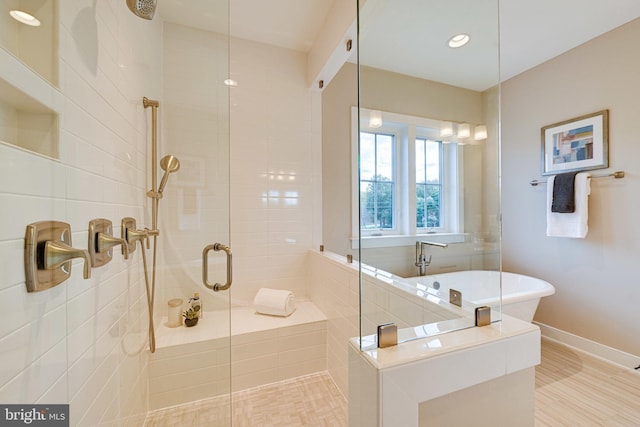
593	348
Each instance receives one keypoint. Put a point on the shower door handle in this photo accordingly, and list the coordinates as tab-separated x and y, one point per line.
205	267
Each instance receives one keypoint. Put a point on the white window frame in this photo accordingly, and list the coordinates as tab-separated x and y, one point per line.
396	229
406	129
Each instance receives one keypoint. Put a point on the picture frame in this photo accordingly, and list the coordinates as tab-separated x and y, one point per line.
577	144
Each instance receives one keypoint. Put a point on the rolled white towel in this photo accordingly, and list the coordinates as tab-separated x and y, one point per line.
275	302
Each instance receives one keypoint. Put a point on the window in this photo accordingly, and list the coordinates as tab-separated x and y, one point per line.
428	184
407	184
377	181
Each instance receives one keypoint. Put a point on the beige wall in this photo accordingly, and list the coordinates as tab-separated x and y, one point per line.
596	278
402	94
337	100
490	166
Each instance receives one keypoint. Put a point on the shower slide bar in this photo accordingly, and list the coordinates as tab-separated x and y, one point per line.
616	175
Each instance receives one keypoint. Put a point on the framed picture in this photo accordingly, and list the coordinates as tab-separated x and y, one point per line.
576	145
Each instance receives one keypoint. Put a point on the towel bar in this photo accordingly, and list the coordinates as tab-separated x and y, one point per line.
616	175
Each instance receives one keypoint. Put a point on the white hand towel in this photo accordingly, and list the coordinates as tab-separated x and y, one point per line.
570	224
275	302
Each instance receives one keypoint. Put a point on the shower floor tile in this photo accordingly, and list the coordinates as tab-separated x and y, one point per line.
311	400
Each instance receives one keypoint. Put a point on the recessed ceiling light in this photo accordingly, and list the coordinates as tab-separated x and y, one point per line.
458	40
25	18
230	82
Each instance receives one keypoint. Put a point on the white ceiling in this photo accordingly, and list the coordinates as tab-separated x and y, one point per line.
531	32
292	24
410	37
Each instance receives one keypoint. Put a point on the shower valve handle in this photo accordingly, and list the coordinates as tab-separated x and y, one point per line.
133	235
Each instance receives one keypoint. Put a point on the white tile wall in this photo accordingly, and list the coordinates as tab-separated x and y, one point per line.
193	371
64	345
335	290
274	176
195	121
78	330
273	179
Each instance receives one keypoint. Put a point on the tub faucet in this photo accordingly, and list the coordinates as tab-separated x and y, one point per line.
422	262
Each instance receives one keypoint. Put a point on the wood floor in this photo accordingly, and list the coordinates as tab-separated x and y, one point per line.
577	390
572	389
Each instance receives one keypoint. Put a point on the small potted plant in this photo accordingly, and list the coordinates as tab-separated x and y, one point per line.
191	316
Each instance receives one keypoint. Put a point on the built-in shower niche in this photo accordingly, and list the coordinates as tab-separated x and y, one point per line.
30	101
26	123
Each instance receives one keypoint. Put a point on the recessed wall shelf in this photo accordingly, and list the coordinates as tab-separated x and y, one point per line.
30	102
29	108
26	123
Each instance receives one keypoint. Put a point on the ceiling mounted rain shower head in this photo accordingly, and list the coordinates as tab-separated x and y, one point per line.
168	164
144	9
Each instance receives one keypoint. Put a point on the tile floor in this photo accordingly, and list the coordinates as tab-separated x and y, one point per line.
572	389
311	400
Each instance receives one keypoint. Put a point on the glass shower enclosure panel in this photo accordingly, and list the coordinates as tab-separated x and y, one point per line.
76	148
428	165
195	211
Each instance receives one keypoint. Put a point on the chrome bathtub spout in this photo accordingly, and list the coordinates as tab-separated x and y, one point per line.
422	262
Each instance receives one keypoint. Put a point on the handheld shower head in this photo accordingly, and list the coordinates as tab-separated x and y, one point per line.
142	8
168	164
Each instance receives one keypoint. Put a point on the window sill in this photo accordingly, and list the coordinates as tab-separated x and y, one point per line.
404	240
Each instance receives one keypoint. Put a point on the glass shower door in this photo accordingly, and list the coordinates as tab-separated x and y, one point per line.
194	214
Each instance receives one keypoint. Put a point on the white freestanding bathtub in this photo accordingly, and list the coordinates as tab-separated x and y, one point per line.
520	294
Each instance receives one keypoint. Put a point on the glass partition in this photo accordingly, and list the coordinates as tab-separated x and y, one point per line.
425	181
196	214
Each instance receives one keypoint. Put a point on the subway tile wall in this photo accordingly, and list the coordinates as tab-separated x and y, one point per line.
336	291
184	373
268	178
275	169
194	211
80	342
84	341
